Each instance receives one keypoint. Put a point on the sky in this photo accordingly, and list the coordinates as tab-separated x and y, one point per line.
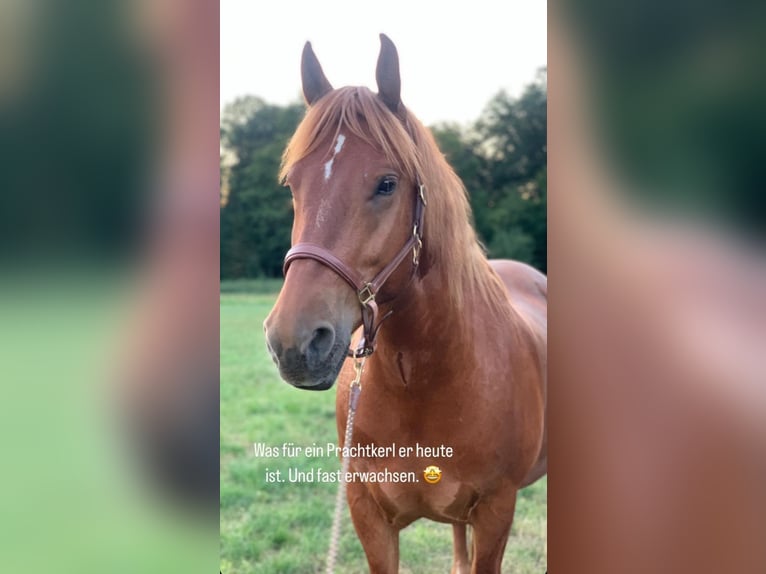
452	59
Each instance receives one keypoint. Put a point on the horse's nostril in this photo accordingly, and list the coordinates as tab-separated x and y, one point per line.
321	343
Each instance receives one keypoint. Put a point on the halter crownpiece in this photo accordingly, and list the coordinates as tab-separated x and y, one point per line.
367	291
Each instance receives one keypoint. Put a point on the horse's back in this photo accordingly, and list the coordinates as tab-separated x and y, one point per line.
528	293
527	289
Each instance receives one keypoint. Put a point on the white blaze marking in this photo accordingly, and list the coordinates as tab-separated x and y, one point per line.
338	146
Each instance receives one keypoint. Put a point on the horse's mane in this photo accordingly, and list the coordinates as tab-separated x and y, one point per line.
449	240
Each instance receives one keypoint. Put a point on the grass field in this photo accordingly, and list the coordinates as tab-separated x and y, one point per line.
274	528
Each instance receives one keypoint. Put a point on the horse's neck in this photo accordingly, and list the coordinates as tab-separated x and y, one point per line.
427	330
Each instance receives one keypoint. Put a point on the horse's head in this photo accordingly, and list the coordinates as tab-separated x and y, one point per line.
352	169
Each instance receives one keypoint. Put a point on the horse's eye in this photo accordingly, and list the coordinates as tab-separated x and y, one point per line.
386	186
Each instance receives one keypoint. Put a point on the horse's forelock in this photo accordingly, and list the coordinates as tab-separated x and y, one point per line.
360	111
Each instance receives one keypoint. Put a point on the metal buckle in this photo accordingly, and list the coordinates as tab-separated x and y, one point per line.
358	370
422	190
360	353
418	245
366	294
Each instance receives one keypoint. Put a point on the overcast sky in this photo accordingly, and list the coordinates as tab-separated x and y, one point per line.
453	58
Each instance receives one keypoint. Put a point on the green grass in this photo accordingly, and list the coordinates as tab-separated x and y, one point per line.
260	286
284	528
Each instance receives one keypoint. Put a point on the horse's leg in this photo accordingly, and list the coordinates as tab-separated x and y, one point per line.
460	564
491	520
379	539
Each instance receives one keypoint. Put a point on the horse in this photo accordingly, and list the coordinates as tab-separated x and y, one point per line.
455	344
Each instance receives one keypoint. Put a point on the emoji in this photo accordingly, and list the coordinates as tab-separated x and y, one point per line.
432	474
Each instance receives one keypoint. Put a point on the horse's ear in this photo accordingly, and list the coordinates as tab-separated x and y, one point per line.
315	84
387	74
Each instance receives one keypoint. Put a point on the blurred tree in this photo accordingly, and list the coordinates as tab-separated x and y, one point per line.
677	105
502	159
256	211
78	132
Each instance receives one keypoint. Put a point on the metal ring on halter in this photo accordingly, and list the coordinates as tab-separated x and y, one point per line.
366	294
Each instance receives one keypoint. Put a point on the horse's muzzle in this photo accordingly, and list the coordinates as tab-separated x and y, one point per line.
312	358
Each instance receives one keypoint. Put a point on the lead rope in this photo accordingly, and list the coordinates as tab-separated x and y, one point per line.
353	400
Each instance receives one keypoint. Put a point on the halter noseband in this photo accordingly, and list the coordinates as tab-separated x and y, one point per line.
367	290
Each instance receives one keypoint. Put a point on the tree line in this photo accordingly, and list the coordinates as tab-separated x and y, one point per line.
501	158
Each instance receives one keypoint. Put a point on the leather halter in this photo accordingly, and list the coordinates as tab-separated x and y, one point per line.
367	291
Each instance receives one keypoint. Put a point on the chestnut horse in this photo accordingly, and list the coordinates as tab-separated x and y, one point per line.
460	359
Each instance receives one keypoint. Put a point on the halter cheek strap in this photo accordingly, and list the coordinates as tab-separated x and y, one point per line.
367	291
